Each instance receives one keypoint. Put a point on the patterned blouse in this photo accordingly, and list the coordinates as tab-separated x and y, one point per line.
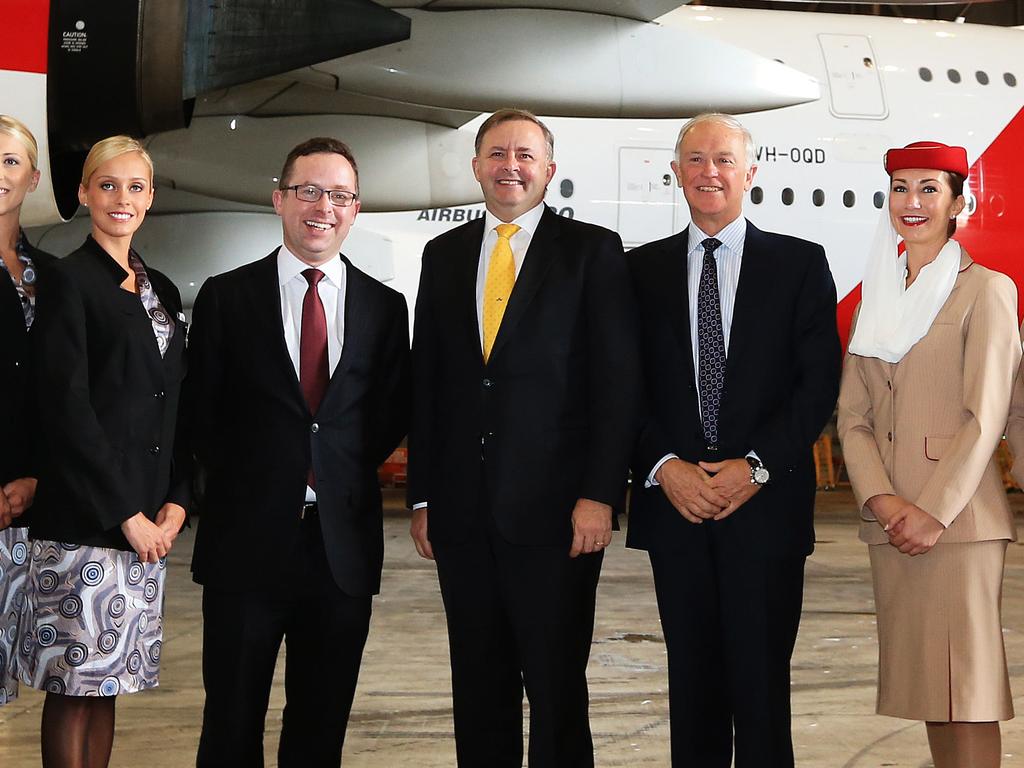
26	286
163	323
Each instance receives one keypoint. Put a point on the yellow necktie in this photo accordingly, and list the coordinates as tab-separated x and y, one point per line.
501	276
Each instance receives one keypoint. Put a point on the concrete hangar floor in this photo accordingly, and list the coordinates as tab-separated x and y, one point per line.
402	712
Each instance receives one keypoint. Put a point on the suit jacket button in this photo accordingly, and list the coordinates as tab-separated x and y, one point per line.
488	383
159	394
890	437
155	450
314	428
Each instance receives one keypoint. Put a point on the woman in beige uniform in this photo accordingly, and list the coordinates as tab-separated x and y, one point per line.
924	400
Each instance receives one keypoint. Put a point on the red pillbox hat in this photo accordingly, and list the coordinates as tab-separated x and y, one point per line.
927	154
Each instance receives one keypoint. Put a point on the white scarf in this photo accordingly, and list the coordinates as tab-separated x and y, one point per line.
893	318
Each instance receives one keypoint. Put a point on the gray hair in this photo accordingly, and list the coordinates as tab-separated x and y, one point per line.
719	118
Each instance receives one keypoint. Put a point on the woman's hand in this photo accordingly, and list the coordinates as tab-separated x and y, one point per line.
20	494
170	518
148	539
885	507
913	531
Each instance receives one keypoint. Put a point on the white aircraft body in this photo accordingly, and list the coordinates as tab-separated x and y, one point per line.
824	95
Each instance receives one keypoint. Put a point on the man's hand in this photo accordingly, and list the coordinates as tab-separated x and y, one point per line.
20	493
418	531
591	527
687	487
170	518
731	479
148	539
913	531
5	511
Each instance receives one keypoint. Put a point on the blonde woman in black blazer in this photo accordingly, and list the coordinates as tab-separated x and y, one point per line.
109	358
20	266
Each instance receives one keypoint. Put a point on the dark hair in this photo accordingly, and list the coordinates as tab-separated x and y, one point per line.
956	184
508	115
321	145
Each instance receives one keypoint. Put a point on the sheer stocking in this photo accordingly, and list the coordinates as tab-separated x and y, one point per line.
77	731
965	745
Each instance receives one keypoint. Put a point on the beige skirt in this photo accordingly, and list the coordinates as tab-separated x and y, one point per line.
940	641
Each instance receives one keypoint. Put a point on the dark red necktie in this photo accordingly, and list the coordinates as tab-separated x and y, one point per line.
314	373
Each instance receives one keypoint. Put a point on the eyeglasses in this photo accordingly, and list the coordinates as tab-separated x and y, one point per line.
307	193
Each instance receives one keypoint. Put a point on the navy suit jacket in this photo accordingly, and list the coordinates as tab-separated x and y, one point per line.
551	417
255	439
781	385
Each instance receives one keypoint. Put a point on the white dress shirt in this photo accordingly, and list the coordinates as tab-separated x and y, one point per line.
728	260
332	293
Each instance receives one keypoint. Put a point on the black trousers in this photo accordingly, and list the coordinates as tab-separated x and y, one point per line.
324	631
519	616
730	612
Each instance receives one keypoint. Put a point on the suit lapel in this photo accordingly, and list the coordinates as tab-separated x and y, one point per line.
357	316
539	256
270	329
675	295
466	264
755	277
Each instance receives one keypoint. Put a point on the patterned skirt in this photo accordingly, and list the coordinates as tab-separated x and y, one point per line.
13	574
93	621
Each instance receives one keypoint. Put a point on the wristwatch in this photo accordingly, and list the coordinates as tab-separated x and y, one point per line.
758	474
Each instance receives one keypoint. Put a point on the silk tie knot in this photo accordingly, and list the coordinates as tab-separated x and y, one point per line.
313	276
506	231
711	245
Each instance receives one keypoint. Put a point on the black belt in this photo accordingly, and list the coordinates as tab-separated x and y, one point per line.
308	510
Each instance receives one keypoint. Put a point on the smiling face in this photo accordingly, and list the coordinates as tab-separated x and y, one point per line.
314	232
17	177
921	205
513	168
712	171
118	194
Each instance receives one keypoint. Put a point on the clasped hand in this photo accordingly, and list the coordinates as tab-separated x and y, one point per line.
152	540
15	498
708	490
910	529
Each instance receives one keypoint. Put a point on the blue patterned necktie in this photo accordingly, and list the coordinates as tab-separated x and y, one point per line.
710	344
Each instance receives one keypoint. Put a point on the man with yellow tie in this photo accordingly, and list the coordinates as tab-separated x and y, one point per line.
526	388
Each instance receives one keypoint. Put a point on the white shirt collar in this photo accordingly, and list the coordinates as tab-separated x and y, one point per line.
528	221
290	266
732	235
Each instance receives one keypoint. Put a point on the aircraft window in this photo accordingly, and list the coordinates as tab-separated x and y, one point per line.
849	198
757	195
1009	79
566	187
953	75
818	197
787	196
878	199
982	77
925	73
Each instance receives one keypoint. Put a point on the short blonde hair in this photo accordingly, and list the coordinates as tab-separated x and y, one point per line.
108	149
16	129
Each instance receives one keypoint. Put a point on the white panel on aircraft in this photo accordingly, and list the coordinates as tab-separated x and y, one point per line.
854	84
646	195
24	97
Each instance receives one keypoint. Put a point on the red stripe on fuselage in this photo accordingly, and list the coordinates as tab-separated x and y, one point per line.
994	234
25	27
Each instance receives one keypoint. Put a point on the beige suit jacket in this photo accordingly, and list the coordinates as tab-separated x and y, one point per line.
1015	425
927	428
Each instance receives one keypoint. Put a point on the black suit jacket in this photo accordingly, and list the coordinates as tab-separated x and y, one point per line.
551	417
107	402
781	384
17	412
255	439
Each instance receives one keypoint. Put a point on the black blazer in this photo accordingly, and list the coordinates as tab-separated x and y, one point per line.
551	417
254	436
781	384
107	402
17	408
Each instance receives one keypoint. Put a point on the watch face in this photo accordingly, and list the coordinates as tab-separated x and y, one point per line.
760	475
